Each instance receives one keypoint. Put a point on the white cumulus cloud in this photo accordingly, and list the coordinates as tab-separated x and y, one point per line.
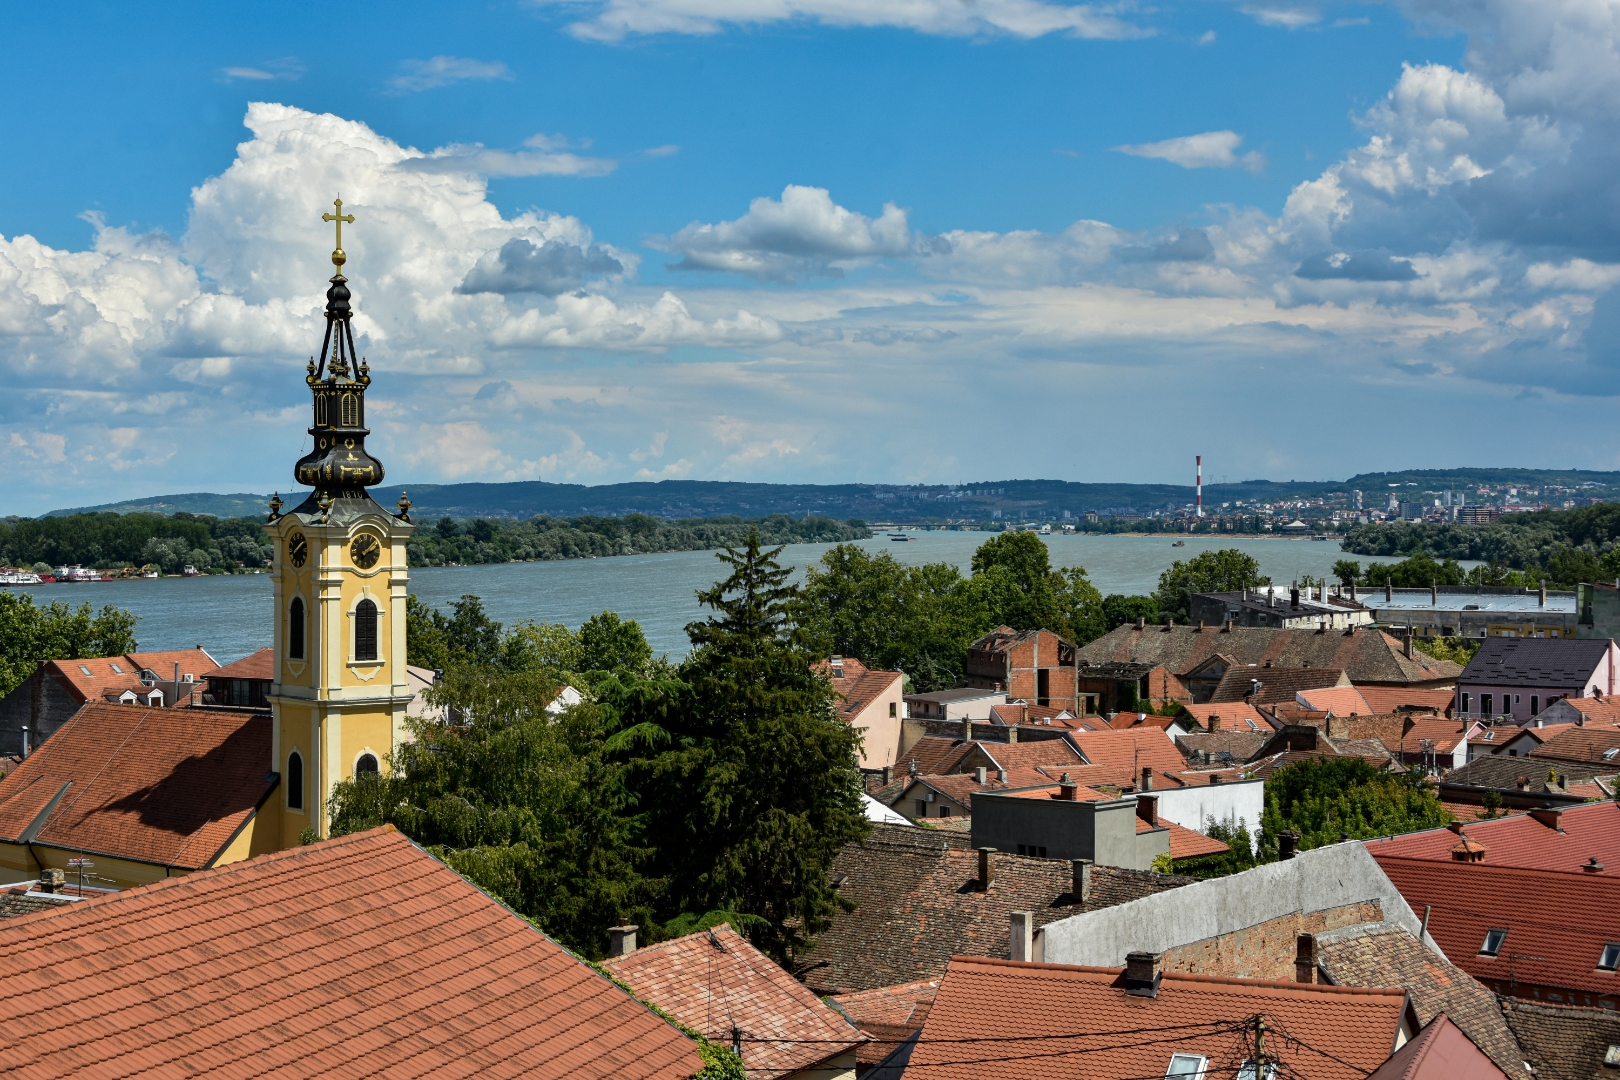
1209	150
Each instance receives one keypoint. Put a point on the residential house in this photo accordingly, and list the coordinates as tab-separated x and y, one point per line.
244	684
888	1016
1384	700
920	897
1563	839
1369	657
1110	686
1267	684
1599	711
1543	935
1336	701
142	793
1597	607
959	704
1297	742
1022	714
1436	744
359	955
732	994
1522	785
57	689
1039	1014
1440	1051
1068	821
1564	1043
1517	677
1221	747
1325	916
1036	666
1578	744
1279	607
1228	716
871	702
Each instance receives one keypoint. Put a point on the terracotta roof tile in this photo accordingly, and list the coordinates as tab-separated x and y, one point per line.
888	1016
1524	841
1130	749
258	665
1052	1020
1367	656
1557	923
859	686
1579	743
1026	755
1277	684
1441	1051
1336	700
935	755
1386	954
1445	734
1235	716
1388	699
1241	745
916	906
164	786
361	956
1563	1043
1019	713
715	980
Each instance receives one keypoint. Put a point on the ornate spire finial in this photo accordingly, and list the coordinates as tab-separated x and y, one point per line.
275	506
338	258
404	507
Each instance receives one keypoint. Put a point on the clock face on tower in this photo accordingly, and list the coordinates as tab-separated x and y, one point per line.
365	551
298	549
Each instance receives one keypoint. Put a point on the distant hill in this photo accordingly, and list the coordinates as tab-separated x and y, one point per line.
1016	499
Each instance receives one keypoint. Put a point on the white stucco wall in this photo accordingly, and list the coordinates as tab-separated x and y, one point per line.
1316	880
1192	807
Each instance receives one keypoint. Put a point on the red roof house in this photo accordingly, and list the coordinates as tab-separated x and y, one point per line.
1440	1052
1006	1020
360	956
1555	839
718	984
872	702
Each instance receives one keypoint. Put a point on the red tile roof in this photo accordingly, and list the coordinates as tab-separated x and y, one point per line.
1604	711
1522	840
1027	755
934	755
1579	743
888	1015
1233	715
714	980
259	665
164	786
360	956
1388	699
859	686
1040	1021
1445	734
1336	700
104	678
1130	749
1127	720
1557	923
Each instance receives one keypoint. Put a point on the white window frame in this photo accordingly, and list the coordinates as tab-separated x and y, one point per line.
1199	1063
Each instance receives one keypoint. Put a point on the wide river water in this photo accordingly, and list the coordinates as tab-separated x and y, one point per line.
229	615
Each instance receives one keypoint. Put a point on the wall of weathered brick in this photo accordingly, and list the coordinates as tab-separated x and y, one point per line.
1265	950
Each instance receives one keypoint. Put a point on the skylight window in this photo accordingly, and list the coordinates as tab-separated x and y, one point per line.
84	669
1493	942
1610	960
1608	755
1187	1065
116	669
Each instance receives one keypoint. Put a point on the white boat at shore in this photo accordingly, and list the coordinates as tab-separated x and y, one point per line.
77	573
9	576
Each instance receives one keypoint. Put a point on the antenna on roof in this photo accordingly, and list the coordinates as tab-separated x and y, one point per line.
81	864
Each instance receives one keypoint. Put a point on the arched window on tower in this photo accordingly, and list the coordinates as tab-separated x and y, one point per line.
366	765
295	781
295	628
351	411
365	630
320	410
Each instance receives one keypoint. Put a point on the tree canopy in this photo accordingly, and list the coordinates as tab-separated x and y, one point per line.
30	634
1226	570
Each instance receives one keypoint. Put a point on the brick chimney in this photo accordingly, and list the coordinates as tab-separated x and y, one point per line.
1214	723
1550	816
1081	889
1287	844
967	729
622	940
1147	808
1012	735
52	880
1067	789
987	867
1020	937
1305	958
1142	972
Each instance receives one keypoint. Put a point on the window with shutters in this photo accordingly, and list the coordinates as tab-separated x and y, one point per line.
365	630
351	411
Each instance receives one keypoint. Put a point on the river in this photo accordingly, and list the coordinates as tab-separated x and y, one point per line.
229	616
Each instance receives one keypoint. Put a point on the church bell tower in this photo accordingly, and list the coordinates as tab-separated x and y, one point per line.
340	687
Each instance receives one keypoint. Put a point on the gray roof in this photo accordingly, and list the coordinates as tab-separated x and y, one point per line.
1554	663
967	694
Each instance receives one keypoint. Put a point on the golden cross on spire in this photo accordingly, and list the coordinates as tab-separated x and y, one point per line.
338	258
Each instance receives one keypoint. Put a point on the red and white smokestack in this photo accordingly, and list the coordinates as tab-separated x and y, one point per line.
1200	460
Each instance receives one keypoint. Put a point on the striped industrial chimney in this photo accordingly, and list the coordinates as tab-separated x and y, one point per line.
1200	460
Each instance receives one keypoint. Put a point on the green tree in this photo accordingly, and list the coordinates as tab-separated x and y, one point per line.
1119	610
1416	571
1347	571
748	774
528	806
1459	650
30	635
608	643
1326	799
1226	570
1013	581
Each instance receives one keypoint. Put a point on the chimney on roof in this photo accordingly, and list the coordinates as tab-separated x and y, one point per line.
980	775
52	880
1305	958
1523	783
888	775
1001	774
1389	591
1293	597
621	940
1021	937
1228	626
1081	889
1012	735
1142	972
1147	808
1409	643
1067	789
1287	844
967	729
1543	594
25	741
1141	622
1147	778
1214	722
1254	688
1592	866
1550	816
987	867
1434	593
1352	592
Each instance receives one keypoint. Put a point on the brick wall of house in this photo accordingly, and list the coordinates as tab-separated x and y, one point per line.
1265	950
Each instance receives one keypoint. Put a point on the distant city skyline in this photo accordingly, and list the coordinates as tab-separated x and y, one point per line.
623	240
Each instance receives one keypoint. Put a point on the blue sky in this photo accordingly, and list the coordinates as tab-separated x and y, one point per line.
812	240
